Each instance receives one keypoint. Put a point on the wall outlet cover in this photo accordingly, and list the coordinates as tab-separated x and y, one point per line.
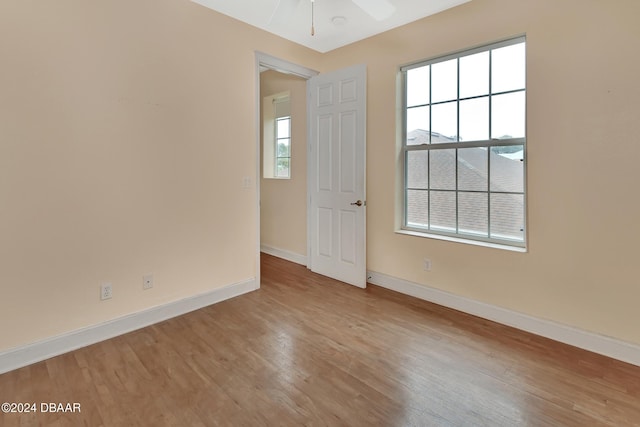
147	281
106	291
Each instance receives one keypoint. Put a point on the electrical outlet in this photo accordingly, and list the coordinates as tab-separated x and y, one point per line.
147	281
106	291
426	264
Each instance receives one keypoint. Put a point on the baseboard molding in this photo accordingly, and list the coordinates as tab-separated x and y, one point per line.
607	346
281	253
45	349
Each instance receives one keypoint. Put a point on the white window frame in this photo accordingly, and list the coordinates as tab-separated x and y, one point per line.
277	138
456	236
271	114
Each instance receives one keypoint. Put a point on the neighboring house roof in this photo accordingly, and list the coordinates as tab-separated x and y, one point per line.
474	167
421	136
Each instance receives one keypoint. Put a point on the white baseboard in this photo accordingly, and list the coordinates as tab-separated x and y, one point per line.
281	253
611	347
26	355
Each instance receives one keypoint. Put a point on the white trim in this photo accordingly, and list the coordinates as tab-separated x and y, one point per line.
283	66
310	166
284	254
32	353
258	163
611	347
454	239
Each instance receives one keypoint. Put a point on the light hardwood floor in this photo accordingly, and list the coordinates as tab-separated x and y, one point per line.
307	350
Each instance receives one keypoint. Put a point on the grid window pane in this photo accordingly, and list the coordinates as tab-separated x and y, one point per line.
284	148
508	68
507	216
508	115
473	218
442	211
418	169
282	168
418	125
444	120
468	114
418	208
474	119
283	128
507	169
442	169
418	86
474	75
444	81
473	173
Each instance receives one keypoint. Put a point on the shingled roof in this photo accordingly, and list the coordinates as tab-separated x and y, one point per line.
473	164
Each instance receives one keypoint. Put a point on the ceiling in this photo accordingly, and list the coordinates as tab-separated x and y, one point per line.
330	33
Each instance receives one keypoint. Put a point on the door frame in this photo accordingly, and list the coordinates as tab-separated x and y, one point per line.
264	60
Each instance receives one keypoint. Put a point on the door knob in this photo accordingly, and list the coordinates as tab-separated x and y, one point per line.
358	203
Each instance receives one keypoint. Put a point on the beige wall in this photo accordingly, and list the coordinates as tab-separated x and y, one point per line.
126	128
583	146
283	202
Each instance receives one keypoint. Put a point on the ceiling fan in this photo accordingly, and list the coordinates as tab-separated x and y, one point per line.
377	9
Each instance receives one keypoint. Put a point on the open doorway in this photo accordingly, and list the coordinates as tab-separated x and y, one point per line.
280	198
283	174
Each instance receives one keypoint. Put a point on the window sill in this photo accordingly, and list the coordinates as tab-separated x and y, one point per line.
461	240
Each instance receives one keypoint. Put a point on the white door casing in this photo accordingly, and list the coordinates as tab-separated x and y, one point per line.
337	175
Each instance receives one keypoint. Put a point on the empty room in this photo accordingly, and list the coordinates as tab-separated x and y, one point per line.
319	212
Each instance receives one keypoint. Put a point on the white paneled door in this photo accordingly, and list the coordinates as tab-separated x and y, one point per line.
337	205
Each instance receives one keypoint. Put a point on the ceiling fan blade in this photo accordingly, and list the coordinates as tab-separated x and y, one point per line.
284	11
378	9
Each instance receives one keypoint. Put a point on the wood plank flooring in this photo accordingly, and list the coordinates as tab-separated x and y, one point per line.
307	350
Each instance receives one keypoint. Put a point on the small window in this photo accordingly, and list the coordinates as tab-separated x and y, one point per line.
283	146
277	136
464	145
